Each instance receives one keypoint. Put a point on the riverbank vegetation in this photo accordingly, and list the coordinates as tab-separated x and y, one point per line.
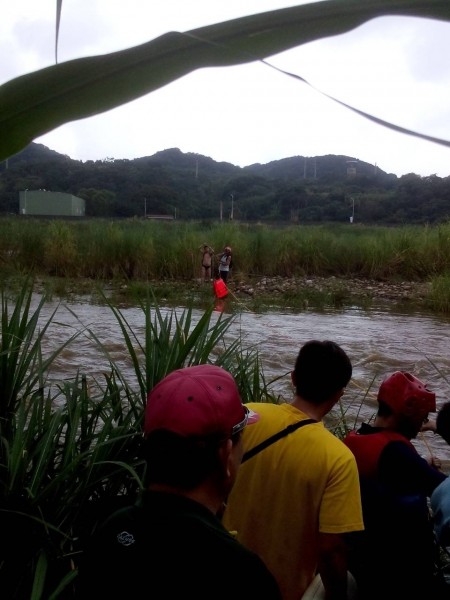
128	255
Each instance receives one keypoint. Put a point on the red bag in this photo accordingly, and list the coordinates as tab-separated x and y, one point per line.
220	288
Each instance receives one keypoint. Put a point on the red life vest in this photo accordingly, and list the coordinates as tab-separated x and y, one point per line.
367	449
220	288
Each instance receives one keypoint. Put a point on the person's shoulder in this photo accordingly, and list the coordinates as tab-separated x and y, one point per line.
260	407
333	446
402	459
271	418
400	446
112	550
251	575
120	531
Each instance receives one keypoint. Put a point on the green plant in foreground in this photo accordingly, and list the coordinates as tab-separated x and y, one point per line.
70	452
59	449
38	102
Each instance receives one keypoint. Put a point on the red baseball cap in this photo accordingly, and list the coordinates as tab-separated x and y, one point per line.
406	395
197	401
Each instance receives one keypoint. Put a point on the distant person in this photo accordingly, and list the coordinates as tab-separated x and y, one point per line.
397	555
173	544
224	263
294	500
207	258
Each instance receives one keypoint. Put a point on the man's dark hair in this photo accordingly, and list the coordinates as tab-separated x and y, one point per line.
181	462
322	369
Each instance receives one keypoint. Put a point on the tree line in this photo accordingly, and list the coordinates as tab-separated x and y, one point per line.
191	186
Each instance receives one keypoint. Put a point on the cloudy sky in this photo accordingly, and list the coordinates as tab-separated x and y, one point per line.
397	69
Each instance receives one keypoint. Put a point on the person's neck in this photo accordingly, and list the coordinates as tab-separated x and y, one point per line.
314	411
204	495
383	422
391	424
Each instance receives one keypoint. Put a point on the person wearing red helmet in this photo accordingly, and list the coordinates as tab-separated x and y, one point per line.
396	556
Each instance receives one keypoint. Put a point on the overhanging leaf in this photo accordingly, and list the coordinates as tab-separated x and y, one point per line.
36	103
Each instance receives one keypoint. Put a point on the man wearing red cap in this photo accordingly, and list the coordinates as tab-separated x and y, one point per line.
173	544
395	557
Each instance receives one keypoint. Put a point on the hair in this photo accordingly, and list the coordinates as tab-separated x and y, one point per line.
322	369
403	424
182	462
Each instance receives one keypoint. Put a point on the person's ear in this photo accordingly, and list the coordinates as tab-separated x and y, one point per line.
226	457
337	396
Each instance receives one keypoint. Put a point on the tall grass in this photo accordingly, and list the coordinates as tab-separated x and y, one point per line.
75	257
70	452
137	250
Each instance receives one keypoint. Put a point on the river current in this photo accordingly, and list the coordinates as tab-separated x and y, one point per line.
377	341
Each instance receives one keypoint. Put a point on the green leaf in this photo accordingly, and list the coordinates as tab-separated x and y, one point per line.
36	103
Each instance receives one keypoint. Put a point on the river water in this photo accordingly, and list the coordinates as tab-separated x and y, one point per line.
377	341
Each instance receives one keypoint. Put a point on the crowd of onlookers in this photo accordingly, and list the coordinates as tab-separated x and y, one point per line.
260	500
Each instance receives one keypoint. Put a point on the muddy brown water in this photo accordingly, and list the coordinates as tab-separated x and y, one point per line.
377	341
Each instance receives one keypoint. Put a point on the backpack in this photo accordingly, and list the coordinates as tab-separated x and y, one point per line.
231	263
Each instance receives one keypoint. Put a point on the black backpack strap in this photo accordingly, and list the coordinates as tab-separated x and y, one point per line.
275	437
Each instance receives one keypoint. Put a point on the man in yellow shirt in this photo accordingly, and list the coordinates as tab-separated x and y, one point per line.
293	501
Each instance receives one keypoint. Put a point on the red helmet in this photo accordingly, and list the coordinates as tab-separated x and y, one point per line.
406	395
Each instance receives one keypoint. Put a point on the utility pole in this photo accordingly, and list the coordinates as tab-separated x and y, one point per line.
145	207
232	206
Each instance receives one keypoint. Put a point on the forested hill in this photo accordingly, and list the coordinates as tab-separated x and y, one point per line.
192	186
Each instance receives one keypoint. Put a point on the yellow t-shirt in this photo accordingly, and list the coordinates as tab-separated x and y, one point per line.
302	484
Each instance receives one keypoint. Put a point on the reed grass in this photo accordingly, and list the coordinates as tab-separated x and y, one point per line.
76	257
439	297
138	250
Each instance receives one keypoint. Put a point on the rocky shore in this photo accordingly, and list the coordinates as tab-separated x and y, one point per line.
298	292
358	290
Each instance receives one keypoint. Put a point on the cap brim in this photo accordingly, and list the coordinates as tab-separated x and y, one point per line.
253	417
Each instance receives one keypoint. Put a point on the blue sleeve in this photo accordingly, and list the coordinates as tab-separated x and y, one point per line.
440	505
406	471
